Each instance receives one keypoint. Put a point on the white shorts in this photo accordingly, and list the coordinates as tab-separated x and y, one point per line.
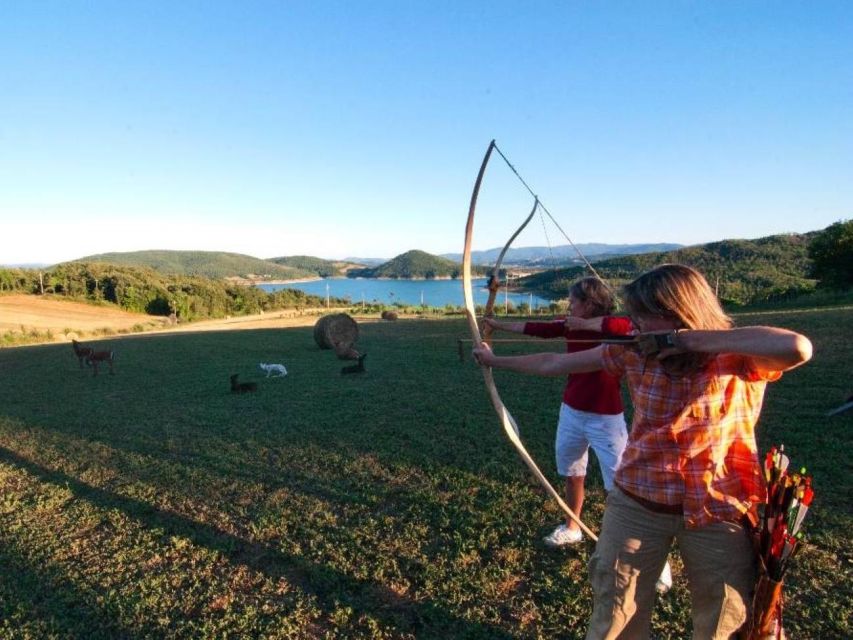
577	431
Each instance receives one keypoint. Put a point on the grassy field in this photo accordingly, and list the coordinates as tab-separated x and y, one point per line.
154	503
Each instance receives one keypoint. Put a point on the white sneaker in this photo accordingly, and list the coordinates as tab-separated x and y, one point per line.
665	580
562	535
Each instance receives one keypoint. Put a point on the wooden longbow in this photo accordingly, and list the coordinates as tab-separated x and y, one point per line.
507	421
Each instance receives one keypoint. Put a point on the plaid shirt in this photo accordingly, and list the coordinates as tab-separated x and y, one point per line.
692	440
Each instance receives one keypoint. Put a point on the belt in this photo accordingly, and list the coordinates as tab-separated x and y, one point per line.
657	507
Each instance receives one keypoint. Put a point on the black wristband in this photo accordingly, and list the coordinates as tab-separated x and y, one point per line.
665	340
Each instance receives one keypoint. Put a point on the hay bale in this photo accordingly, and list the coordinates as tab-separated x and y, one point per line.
335	330
389	315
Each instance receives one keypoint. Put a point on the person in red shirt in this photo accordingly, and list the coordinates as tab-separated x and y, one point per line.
690	471
591	413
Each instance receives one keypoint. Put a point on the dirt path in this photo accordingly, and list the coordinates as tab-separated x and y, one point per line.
271	320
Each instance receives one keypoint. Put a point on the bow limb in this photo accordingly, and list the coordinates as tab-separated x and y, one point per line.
466	252
494	280
508	422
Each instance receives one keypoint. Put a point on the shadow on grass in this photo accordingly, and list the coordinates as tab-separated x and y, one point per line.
46	604
331	588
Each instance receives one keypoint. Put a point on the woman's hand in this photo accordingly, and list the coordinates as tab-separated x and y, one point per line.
659	344
494	324
482	355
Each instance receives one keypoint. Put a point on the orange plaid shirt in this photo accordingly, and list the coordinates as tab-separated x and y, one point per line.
692	440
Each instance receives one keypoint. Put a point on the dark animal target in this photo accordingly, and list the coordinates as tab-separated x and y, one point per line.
355	368
242	387
81	352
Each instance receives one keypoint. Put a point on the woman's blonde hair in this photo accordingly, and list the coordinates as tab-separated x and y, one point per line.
597	293
681	293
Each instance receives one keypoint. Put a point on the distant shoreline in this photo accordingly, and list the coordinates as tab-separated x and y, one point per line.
249	282
295	281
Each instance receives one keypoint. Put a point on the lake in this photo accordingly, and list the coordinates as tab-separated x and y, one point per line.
433	293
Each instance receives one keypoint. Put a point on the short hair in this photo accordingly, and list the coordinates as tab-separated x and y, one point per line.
593	290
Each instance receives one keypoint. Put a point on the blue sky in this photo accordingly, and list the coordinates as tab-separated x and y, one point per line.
356	128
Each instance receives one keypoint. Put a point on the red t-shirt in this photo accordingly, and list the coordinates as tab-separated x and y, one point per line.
596	391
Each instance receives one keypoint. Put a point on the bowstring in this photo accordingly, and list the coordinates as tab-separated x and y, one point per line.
542	208
548	241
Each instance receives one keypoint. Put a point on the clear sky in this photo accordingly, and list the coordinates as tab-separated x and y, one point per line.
356	128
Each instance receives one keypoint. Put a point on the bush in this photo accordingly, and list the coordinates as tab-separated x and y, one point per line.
831	252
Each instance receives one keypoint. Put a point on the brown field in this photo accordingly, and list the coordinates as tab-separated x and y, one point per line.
67	319
48	314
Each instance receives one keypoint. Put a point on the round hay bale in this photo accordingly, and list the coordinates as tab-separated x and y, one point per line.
389	315
335	329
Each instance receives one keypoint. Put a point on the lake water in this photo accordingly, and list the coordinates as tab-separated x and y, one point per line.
433	293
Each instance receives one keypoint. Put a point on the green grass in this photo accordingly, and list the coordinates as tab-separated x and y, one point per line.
154	503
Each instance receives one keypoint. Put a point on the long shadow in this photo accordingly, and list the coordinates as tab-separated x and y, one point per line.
52	602
330	587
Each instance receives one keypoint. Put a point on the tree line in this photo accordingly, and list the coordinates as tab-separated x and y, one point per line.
143	290
743	272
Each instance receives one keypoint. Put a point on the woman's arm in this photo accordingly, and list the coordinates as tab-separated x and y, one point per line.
542	364
770	348
573	323
616	325
497	325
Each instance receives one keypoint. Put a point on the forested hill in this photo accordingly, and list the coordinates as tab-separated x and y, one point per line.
563	255
743	271
413	264
144	290
317	266
209	264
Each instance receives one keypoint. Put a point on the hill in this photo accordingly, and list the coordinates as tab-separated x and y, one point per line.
743	271
370	262
563	255
317	266
411	265
144	290
414	265
208	264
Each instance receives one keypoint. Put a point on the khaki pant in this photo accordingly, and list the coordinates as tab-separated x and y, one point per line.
630	555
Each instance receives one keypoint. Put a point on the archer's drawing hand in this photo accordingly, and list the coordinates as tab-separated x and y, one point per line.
491	322
483	355
659	344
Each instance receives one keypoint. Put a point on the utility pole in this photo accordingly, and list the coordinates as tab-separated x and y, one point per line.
506	296
327	295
